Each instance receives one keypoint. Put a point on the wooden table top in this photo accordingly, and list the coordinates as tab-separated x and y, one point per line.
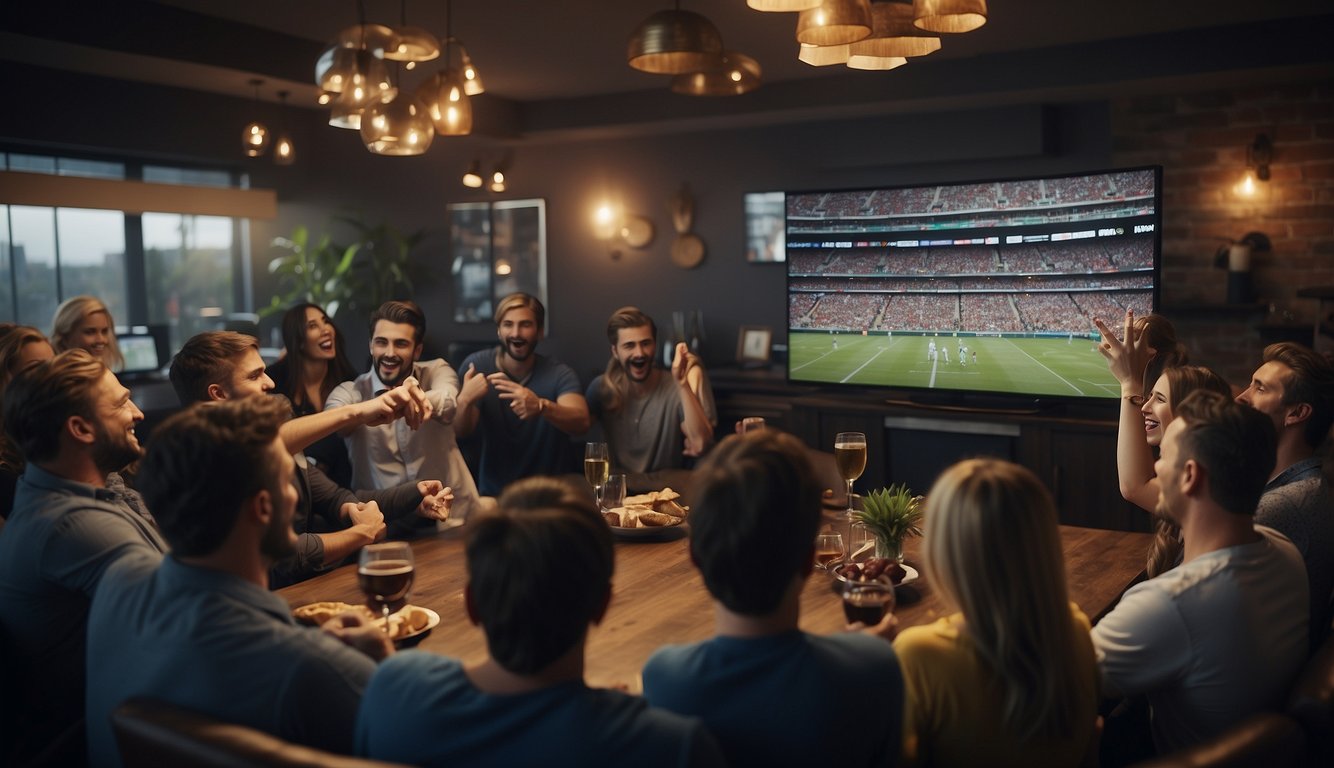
659	598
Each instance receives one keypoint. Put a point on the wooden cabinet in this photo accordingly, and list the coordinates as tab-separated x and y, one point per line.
1073	451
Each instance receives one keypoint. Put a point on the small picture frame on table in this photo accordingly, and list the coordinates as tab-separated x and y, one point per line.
753	343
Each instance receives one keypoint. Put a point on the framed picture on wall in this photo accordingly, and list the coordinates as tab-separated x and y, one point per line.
496	249
753	343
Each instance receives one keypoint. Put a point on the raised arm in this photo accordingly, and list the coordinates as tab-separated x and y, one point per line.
469	401
698	431
1134	458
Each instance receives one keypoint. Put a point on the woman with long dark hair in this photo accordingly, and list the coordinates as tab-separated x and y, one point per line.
315	362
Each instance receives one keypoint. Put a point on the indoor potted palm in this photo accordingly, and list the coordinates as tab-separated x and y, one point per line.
891	515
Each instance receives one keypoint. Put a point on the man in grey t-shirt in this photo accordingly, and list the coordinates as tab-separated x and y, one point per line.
652	420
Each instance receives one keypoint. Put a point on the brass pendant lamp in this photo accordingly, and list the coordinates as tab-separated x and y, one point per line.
734	74
783	6
949	16
893	34
445	94
409	44
835	22
255	136
398	127
674	42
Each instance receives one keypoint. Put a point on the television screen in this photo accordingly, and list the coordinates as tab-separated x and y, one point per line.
987	286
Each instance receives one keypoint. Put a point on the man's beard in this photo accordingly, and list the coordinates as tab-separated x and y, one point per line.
113	455
520	353
404	370
276	543
646	368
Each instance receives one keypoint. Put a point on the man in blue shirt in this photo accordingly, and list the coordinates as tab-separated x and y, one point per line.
770	693
73	518
539	573
528	406
200	629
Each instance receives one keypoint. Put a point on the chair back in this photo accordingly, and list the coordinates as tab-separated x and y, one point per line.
1267	740
155	734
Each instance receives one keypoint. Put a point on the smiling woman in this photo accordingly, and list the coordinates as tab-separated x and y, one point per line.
84	322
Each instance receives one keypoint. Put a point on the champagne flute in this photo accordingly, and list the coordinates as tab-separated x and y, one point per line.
384	572
828	549
850	456
613	492
596	466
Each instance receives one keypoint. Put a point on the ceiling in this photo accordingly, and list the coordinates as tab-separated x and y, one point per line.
540	57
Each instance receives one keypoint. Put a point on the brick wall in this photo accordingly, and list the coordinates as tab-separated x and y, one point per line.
1201	141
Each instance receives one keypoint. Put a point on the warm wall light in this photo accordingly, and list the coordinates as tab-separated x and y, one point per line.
472	178
1259	154
606	222
498	180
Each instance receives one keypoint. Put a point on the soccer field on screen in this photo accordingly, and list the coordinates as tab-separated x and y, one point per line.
1061	367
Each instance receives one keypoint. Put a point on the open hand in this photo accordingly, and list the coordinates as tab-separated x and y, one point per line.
360	634
437	500
522	400
1128	356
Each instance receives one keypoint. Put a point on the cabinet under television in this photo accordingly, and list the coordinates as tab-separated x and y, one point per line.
1070	447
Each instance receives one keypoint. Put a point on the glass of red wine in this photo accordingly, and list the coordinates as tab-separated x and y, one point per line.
384	572
867	601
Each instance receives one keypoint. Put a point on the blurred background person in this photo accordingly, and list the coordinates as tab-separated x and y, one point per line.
84	322
315	362
1010	677
21	347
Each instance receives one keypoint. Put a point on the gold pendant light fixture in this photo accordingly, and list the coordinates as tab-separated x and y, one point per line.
284	152
445	94
734	74
255	136
398	127
875	34
674	42
409	44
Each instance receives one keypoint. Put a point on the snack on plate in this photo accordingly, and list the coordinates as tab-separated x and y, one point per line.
872	569
408	621
656	509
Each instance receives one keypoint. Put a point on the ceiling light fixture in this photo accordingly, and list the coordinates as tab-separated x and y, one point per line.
472	178
835	22
498	180
284	153
255	137
824	55
411	44
949	16
893	34
674	42
783	6
397	127
734	74
445	94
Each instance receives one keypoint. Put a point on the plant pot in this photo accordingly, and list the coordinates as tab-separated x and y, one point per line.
892	550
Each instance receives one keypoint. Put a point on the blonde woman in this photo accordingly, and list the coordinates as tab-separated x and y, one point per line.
1010	677
84	322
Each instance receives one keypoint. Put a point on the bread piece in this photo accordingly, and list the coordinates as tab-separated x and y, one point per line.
669	507
657	519
613	518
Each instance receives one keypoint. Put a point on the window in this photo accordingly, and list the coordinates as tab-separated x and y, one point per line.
175	270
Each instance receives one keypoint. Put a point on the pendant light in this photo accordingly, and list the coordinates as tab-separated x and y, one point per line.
472	178
835	22
781	6
284	153
824	55
949	16
400	126
411	44
734	74
255	136
674	42
445	94
893	34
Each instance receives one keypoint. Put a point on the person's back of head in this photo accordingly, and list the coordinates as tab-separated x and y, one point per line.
39	401
207	358
1311	382
993	550
1234	443
755	512
539	572
203	463
404	313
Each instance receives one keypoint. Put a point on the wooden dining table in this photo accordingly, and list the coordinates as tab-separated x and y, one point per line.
659	598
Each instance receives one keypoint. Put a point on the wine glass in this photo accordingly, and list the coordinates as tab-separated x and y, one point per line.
867	601
596	466
850	456
613	492
384	572
828	549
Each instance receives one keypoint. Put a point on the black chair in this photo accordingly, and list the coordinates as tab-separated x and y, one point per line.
155	734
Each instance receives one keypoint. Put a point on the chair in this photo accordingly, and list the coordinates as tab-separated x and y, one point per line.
1267	740
1311	703
155	734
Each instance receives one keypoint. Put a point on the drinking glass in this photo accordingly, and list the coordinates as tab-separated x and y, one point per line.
867	601
596	466
828	549
850	456
752	424
384	572
613	492
861	543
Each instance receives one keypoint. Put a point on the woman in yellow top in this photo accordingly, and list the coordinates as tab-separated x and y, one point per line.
1010	679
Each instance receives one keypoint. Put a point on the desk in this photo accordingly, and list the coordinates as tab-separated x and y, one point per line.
658	596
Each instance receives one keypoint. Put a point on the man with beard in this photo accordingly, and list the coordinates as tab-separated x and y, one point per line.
389	454
200	629
1221	636
74	424
1295	388
332	523
652	420
529	406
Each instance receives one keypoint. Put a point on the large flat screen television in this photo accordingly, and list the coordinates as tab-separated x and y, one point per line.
984	287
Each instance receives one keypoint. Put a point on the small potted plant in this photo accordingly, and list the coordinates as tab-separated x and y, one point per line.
891	514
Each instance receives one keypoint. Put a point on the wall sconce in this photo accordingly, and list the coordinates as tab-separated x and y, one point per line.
1235	257
614	227
472	178
1259	153
498	180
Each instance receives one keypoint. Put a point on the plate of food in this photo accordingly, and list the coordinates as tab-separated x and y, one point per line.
870	570
406	625
655	516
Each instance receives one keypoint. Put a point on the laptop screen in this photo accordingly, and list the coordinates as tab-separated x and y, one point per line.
140	351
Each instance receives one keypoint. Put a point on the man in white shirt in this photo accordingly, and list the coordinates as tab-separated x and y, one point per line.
1221	636
391	454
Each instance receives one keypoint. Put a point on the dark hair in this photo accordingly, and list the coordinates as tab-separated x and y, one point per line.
1236	445
617	389
539	571
13	338
39	401
406	312
207	358
294	338
521	300
1168	352
203	462
753	522
1184	379
1311	382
